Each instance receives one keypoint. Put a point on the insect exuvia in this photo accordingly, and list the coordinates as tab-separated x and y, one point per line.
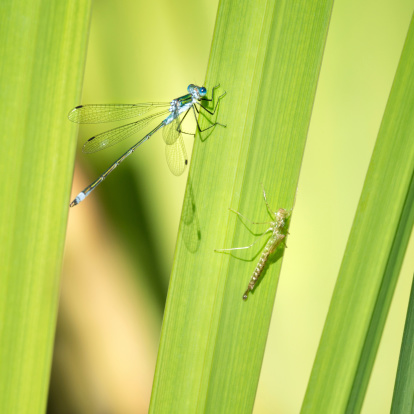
278	228
176	110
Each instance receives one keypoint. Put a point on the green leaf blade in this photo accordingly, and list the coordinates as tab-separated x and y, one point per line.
212	342
44	51
372	260
402	401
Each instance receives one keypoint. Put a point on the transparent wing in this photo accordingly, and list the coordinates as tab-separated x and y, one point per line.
176	156
95	114
115	135
171	131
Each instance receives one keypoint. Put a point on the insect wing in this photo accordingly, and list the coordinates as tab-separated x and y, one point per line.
96	114
176	156
115	135
171	131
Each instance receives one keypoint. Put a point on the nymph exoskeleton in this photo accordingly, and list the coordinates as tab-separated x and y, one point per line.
278	228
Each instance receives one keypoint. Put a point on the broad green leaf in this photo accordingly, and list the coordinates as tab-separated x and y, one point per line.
42	59
372	260
267	56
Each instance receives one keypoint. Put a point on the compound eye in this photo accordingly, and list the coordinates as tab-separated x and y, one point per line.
203	91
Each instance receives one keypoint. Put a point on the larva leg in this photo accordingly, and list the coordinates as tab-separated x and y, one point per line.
245	247
245	218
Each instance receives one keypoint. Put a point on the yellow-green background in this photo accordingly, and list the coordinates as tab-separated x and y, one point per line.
120	241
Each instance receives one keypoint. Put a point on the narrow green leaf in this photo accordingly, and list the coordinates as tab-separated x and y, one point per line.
267	56
403	398
373	258
42	55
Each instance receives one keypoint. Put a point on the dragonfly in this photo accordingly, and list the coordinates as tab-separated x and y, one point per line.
278	228
173	112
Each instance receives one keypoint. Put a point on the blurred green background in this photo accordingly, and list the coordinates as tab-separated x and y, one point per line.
120	241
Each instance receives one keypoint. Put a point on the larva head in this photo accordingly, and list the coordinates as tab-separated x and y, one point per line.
281	216
282	213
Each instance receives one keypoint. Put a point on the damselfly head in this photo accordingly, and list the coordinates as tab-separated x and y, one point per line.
197	91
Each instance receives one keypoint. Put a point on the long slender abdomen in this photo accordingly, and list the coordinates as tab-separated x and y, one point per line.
257	271
271	246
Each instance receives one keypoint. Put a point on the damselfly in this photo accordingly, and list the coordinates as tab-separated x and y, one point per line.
278	227
176	110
